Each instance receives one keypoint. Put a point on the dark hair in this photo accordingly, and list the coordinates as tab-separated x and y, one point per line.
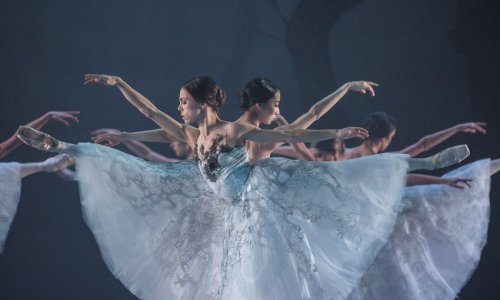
257	90
330	146
205	90
379	124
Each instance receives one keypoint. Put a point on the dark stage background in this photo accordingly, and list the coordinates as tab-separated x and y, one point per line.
437	63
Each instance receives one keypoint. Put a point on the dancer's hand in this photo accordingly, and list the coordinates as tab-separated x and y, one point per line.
111	136
363	86
458	183
471	127
101	79
352	132
63	116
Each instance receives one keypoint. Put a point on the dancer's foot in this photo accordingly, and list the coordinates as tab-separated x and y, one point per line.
57	163
443	159
40	140
450	156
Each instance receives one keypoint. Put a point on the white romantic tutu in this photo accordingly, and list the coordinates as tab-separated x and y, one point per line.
279	229
10	191
437	241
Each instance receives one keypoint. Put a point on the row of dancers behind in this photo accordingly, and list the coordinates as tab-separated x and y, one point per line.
260	103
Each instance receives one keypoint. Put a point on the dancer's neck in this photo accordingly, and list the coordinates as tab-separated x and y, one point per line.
209	120
250	117
367	148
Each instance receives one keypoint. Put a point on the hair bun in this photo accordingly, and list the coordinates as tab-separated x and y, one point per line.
205	90
257	90
220	97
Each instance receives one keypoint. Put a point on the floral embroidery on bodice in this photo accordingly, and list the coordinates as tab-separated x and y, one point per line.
209	160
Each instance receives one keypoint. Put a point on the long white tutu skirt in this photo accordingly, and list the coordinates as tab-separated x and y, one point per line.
297	230
10	191
309	230
437	241
159	229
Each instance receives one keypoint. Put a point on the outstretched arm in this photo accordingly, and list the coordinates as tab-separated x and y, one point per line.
113	137
419	179
298	135
147	153
434	139
324	105
60	116
297	150
174	129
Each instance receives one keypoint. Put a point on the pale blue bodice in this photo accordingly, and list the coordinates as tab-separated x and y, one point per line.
227	172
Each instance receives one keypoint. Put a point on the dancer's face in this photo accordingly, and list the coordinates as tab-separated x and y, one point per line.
190	109
270	109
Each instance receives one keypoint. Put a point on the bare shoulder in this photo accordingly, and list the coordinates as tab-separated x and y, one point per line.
192	134
235	132
239	128
350	154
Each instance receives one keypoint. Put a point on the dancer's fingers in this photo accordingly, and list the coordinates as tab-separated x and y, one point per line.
372	91
98	139
71	117
479	128
467	182
61	120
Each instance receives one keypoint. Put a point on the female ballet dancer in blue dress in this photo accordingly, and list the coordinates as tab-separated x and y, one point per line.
273	229
434	212
11	173
433	277
446	222
439	236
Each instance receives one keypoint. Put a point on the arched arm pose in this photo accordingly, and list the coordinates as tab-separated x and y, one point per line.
297	150
193	110
260	100
324	105
63	117
174	130
429	141
200	106
114	137
255	100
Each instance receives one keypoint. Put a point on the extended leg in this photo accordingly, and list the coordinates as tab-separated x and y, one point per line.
40	140
442	159
52	164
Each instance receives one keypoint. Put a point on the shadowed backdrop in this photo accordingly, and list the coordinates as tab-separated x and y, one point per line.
437	64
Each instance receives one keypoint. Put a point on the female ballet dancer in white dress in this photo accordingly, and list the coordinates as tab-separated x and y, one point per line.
439	236
11	173
273	229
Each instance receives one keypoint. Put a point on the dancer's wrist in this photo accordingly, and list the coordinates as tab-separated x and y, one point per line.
119	81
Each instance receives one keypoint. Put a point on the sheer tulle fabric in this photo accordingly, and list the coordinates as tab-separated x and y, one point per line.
10	191
279	229
437	241
159	229
306	230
